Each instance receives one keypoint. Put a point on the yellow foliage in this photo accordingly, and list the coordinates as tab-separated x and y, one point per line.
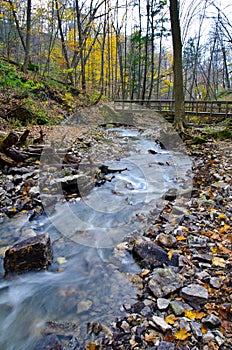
170	319
182	334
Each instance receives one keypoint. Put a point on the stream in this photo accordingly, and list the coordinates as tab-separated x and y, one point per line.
89	279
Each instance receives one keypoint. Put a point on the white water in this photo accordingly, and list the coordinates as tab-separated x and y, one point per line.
85	234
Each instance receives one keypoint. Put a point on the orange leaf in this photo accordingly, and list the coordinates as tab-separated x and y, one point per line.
199	315
170	253
204	329
181	238
224	229
182	334
151	336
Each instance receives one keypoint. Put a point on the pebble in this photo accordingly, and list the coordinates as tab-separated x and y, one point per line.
207	337
161	324
164	281
163	303
196	330
215	282
166	240
211	321
84	306
195	294
177	307
165	345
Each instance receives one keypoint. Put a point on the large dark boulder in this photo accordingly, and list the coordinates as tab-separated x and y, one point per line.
34	253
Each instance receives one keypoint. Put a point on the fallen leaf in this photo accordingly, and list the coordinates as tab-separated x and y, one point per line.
213	346
170	253
204	329
61	260
224	229
200	315
182	334
150	337
170	319
92	346
181	238
169	337
190	314
221	216
216	261
214	249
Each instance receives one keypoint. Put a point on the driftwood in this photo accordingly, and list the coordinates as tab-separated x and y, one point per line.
10	140
23	138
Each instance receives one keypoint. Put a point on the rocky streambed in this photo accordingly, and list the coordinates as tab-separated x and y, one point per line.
155	276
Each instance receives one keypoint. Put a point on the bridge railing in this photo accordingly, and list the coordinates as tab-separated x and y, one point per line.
192	107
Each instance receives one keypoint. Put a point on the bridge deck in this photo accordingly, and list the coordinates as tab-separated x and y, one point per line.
207	108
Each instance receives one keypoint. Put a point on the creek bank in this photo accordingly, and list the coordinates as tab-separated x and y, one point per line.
193	309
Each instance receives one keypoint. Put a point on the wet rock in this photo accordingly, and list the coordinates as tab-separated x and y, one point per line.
215	282
84	306
184	323
211	321
34	253
203	257
195	294
164	281
166	240
150	254
206	338
50	342
165	345
160	323
196	330
195	241
177	307
162	303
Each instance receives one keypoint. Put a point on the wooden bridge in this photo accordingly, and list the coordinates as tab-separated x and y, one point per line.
207	108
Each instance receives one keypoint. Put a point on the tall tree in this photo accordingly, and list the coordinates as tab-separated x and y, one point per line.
28	38
179	118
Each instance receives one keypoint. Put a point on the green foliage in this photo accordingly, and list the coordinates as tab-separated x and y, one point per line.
9	78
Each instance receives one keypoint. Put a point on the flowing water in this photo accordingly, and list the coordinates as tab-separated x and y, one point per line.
88	281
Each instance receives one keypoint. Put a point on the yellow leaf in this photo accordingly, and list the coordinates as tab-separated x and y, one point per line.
224	229
170	319
190	314
61	260
216	261
91	346
182	334
13	210
181	238
214	249
170	253
221	216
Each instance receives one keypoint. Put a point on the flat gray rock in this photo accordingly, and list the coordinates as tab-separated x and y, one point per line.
164	281
195	294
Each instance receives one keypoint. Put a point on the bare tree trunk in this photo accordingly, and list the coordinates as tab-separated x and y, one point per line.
28	38
64	49
179	118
